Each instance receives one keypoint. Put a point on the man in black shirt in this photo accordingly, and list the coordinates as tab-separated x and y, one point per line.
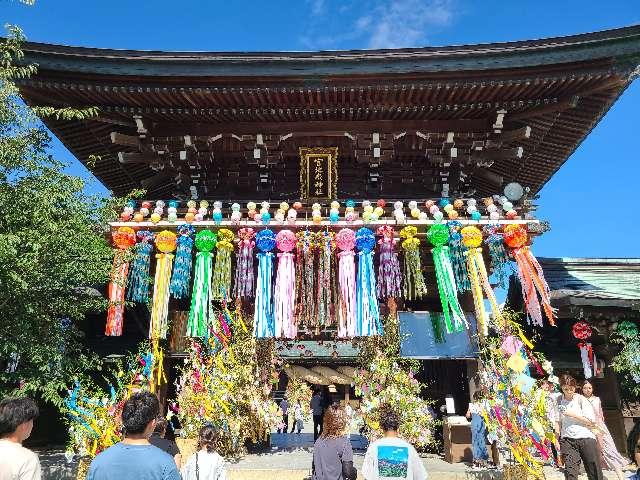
157	439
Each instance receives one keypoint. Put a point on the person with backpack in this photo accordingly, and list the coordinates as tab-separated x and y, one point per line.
332	452
578	429
206	463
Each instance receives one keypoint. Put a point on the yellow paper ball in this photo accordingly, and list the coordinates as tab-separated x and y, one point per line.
366	216
317	220
448	207
166	241
155	217
349	210
368	208
251	206
284	206
379	211
452	214
471	236
335	205
415	213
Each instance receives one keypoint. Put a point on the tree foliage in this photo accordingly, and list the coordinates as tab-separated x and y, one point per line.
53	246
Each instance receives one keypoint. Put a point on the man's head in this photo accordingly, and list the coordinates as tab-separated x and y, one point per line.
139	414
16	417
568	385
389	420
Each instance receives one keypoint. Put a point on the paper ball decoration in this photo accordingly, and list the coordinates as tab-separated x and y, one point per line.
266	240
155	217
494	216
191	204
346	239
471	236
475	215
124	237
444	202
452	214
279	216
429	203
138	217
265	205
365	240
335	205
415	213
297	205
511	214
166	241
334	215
286	240
374	217
433	209
457	203
235	207
350	217
515	236
205	204
266	217
189	217
144	211
317	220
581	330
146	204
381	203
398	205
438	235
251	206
379	211
438	216
199	217
413	205
206	240
125	217
217	215
172	217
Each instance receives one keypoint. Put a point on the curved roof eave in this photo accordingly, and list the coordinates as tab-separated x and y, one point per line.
621	43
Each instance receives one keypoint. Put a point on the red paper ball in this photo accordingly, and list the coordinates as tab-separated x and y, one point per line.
515	236
124	237
125	217
146	204
381	203
581	330
297	205
429	203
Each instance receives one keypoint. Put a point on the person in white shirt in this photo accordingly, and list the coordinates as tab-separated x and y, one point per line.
577	437
16	423
391	457
206	463
298	418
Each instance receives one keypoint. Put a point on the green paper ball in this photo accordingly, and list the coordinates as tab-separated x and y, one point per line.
438	235
206	240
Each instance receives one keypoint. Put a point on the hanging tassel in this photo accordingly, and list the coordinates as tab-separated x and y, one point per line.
457	254
325	285
166	244
263	326
454	318
367	308
436	324
201	311
530	274
221	282
284	294
139	279
389	267
346	241
588	359
305	275
479	279
181	277
123	238
414	286
243	284
499	258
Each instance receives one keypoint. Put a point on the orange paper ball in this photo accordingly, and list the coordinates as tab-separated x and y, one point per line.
317	220
458	203
515	236
124	237
193	210
452	214
138	217
166	241
189	217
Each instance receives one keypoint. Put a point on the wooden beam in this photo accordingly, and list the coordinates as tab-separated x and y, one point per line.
551	108
511	135
125	140
126	158
502	154
356	126
489	176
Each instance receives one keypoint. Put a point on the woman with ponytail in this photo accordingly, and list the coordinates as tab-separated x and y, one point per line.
206	463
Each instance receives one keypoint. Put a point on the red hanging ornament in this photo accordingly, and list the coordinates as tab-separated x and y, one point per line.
123	238
582	330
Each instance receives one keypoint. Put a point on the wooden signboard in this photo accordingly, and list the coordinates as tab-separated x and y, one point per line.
318	173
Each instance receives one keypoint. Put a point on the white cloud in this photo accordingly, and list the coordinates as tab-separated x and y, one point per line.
406	23
317	7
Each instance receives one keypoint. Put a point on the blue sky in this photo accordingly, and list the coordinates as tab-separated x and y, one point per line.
593	193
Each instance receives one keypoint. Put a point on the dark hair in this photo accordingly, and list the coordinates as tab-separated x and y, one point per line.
334	422
568	380
389	419
207	438
161	425
140	409
14	411
477	395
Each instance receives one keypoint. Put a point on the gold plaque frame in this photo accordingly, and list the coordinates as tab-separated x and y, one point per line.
309	164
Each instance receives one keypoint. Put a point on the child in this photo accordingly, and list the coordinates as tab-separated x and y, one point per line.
297	416
478	433
206	463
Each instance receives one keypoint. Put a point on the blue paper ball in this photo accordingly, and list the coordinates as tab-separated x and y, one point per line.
131	203
333	217
444	202
365	240
217	217
351	203
476	216
173	204
266	217
266	240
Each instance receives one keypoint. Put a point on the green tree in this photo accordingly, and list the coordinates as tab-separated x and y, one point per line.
54	247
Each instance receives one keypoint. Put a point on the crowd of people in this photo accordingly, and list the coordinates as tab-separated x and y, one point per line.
146	454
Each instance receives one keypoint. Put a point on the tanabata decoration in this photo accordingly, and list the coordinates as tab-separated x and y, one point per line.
123	238
201	311
389	278
367	309
346	241
454	318
166	245
221	282
414	286
284	296
582	331
305	280
530	274
263	326
243	284
498	254
478	277
139	280
181	277
457	254
325	284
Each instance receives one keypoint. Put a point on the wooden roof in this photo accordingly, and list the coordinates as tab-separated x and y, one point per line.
466	119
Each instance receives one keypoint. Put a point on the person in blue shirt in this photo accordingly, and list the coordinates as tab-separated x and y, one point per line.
134	458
